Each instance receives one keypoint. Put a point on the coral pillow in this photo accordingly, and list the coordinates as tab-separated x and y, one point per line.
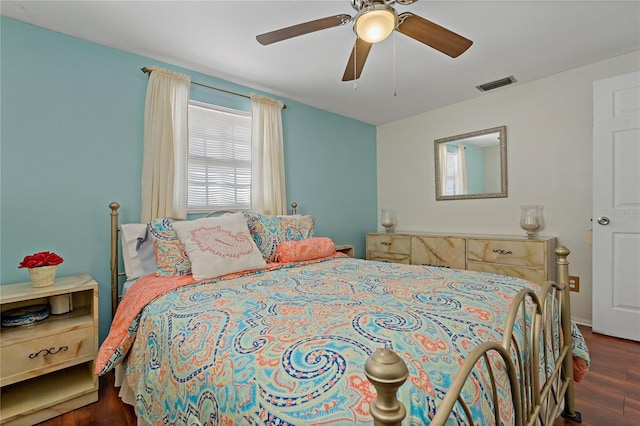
219	245
309	249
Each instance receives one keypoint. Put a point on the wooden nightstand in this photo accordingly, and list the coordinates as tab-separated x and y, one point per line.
346	249
47	367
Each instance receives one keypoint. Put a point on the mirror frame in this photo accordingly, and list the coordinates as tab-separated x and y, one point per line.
503	164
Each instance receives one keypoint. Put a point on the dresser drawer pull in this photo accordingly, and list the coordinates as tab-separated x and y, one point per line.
50	351
500	251
437	266
385	243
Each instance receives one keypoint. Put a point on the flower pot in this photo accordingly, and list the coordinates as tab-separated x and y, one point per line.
43	276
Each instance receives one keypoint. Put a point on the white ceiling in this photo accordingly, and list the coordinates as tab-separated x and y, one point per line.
526	39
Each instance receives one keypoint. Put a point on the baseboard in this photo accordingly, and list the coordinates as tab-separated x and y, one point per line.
582	321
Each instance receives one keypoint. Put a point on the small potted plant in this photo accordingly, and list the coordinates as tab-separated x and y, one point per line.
42	267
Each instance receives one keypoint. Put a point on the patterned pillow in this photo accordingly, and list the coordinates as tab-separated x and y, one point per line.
219	245
268	231
309	249
171	257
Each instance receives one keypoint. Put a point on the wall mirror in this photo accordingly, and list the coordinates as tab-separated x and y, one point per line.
472	165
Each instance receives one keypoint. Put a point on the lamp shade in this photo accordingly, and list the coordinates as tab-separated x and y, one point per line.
376	24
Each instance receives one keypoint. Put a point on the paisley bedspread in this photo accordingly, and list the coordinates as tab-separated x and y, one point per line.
287	346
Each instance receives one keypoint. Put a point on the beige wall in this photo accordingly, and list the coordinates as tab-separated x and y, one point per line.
549	123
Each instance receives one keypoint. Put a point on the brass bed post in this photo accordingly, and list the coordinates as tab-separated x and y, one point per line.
387	372
114	206
569	410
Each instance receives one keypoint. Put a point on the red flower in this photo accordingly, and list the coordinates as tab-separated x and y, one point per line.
43	258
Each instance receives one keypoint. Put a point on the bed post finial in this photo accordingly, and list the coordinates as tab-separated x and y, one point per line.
387	372
563	264
294	207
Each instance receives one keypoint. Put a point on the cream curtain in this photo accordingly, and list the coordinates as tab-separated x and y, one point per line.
164	164
267	156
461	177
442	153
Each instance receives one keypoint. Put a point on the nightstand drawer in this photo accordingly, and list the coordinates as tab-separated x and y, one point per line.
29	359
520	253
390	243
536	275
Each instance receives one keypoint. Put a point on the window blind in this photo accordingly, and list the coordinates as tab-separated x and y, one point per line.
219	161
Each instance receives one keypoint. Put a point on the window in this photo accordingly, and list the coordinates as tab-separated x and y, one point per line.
452	173
456	171
219	161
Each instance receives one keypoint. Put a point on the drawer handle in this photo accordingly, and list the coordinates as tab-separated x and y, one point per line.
385	243
500	251
437	266
50	351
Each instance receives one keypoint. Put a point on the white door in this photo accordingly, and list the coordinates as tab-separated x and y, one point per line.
616	206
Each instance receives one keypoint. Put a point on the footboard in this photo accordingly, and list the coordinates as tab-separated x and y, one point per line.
538	367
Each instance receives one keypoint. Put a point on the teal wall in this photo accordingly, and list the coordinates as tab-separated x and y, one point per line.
474	159
72	116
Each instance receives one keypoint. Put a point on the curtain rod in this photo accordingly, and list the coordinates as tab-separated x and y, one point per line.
148	71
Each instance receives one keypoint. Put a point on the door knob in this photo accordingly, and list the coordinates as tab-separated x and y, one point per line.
603	220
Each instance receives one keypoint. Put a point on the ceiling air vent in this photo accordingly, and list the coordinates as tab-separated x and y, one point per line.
495	84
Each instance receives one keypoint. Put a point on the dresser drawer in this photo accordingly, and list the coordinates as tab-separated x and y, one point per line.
388	257
536	275
520	253
438	251
389	243
25	359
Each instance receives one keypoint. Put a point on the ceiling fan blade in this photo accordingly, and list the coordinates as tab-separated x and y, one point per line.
357	59
304	28
432	34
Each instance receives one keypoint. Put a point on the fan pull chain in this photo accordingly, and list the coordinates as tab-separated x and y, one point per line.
395	93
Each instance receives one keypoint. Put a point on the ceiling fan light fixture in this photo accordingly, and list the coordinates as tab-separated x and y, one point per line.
375	23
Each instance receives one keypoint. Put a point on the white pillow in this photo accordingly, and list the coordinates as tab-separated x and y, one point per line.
129	238
219	245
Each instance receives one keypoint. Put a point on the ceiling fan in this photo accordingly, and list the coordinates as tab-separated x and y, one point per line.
375	21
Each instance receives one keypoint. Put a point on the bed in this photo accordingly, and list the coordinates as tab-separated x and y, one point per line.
316	337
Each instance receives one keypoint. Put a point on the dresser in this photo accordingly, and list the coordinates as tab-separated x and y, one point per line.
531	259
47	366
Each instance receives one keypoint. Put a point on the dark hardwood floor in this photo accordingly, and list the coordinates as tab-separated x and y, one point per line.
610	393
608	396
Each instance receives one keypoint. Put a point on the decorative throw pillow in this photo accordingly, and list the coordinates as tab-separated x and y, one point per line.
309	249
268	231
219	245
171	257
